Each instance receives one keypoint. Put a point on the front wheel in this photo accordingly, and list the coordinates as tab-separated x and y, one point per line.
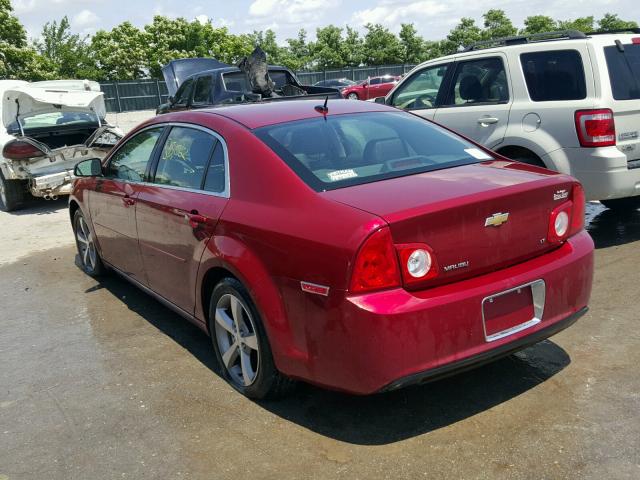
619	204
241	345
352	96
90	261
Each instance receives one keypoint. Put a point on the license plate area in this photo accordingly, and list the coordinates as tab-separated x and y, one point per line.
513	310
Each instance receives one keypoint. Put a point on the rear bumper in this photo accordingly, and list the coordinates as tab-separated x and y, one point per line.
603	172
60	183
384	340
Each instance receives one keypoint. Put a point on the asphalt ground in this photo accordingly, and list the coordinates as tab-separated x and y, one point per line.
100	381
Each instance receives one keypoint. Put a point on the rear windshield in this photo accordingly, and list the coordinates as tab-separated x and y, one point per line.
54	119
345	150
624	71
239	82
554	75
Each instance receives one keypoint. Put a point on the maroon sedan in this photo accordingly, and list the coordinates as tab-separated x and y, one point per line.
357	247
373	87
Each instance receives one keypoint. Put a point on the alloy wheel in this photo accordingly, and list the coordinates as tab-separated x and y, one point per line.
237	340
86	246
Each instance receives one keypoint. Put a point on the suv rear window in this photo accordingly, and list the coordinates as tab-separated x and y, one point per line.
554	75
345	150
624	71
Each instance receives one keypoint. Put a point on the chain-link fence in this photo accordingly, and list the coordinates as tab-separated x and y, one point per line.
126	96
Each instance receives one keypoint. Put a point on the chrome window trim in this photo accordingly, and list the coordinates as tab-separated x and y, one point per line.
226	193
538	294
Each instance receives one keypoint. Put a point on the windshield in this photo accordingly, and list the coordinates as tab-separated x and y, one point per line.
624	71
54	119
344	150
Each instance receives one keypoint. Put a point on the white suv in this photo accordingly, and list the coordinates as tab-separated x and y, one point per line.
564	100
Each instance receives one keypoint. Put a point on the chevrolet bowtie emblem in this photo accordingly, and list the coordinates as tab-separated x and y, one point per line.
496	219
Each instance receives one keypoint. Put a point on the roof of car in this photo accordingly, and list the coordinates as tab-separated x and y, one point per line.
256	115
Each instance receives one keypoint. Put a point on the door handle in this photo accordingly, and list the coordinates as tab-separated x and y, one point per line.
195	219
128	201
486	121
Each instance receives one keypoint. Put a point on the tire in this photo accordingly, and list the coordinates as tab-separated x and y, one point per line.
249	367
90	261
353	96
12	194
618	204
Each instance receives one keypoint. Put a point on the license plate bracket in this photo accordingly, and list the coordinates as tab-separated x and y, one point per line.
511	311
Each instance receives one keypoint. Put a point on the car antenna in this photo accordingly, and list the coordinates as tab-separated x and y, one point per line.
323	108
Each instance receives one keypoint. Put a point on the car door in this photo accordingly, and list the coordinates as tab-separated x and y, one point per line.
178	209
182	98
422	91
112	202
477	102
203	92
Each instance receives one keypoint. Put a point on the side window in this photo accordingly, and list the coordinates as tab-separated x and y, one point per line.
130	161
374	81
184	93
421	89
202	93
554	75
479	81
184	158
216	178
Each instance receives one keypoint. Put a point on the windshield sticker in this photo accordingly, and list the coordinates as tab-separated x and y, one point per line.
479	154
341	174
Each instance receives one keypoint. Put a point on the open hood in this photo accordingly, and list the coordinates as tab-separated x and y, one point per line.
30	100
176	71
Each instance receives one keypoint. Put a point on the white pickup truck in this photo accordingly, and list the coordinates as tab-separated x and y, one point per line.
48	127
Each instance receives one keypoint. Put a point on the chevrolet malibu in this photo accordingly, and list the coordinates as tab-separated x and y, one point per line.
350	245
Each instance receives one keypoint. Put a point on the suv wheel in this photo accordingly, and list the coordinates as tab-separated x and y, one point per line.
12	194
629	203
241	345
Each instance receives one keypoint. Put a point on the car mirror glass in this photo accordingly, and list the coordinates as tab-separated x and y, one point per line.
380	100
88	168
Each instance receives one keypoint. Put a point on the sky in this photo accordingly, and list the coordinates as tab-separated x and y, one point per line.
432	18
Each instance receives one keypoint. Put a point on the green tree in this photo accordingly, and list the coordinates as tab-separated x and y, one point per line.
539	24
67	53
497	25
582	24
121	53
353	48
298	54
413	45
612	22
463	35
266	40
328	48
381	47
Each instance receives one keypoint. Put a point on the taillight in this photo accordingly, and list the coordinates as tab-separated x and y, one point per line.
567	219
417	263
635	40
21	150
376	265
595	128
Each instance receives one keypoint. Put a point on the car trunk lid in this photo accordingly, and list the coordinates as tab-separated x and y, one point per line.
476	218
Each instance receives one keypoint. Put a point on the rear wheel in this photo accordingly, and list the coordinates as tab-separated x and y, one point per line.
241	345
12	194
90	261
629	203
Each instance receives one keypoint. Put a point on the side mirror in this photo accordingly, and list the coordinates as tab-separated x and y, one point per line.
365	84
88	168
381	100
171	99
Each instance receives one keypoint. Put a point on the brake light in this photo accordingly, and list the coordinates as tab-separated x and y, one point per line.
635	40
567	219
417	263
579	204
21	150
376	265
595	128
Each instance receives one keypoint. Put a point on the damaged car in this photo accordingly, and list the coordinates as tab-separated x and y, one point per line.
48	127
205	82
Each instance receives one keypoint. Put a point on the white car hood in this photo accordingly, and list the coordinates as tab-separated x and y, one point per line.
34	100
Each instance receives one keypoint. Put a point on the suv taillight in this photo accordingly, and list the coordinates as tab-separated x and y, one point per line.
567	219
21	150
595	128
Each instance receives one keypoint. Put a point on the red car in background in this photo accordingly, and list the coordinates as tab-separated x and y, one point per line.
373	87
351	245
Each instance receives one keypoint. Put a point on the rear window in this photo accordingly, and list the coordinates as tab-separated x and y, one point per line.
347	150
624	71
554	75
